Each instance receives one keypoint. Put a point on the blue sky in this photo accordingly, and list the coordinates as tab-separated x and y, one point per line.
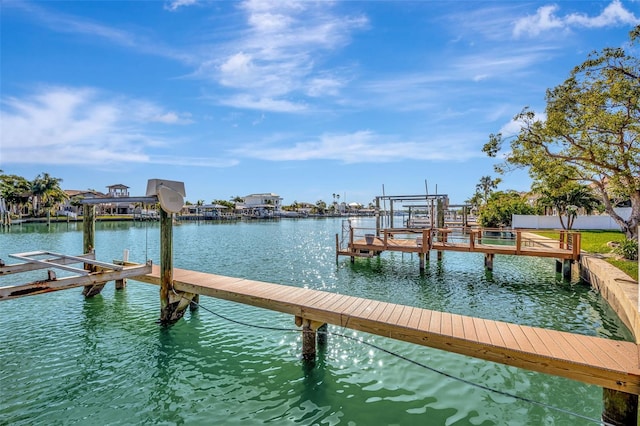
302	99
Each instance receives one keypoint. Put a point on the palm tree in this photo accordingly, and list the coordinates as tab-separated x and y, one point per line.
486	186
16	191
568	201
46	192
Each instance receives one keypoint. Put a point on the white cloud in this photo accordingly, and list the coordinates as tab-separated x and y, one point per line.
65	23
246	101
513	127
613	14
366	147
546	19
278	53
174	5
323	86
543	20
64	125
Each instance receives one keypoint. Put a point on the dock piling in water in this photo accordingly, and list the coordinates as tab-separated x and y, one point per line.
88	246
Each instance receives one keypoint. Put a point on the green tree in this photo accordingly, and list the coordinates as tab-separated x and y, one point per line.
46	193
567	200
16	191
591	133
486	186
229	204
501	206
475	201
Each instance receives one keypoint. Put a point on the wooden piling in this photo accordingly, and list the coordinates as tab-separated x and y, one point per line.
122	283
309	328
172	303
620	408
322	336
488	261
440	225
88	246
308	341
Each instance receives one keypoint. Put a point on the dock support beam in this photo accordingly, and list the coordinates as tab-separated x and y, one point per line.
122	283
620	408
172	303
564	266
88	246
488	261
309	328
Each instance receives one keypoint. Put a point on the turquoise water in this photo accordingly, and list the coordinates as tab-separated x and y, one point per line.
69	360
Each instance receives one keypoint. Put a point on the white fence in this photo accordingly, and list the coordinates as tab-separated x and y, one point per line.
582	222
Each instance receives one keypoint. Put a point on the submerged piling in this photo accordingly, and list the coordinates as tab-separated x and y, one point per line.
88	245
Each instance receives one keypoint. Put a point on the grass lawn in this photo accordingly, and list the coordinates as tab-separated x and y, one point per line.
596	242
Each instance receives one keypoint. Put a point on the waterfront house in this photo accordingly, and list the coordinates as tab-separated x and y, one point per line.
71	208
260	205
119	191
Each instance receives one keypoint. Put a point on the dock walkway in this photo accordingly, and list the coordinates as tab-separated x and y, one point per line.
603	362
421	241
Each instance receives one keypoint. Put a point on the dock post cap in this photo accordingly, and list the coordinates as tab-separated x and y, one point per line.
170	193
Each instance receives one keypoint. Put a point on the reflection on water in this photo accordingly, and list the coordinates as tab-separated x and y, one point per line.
67	360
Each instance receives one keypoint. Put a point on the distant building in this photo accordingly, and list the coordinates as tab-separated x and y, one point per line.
260	205
119	191
69	209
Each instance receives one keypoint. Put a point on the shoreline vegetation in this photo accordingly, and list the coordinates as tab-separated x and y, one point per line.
600	243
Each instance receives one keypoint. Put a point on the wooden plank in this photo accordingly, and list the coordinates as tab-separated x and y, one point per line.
508	339
379	311
416	317
405	316
425	320
364	309
47	286
521	338
26	267
536	342
395	315
481	330
593	350
469	329
457	327
446	327
598	361
436	322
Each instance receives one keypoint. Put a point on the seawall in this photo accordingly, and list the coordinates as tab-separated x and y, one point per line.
617	288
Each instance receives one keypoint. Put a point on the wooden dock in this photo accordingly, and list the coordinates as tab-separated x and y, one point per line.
92	273
423	240
603	362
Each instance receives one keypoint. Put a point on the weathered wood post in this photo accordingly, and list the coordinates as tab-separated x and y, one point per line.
322	336
308	341
465	219
377	213
122	283
620	408
170	195
166	267
440	223
309	328
353	259
488	261
88	246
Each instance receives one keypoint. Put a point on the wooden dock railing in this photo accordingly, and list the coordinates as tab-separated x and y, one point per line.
487	241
